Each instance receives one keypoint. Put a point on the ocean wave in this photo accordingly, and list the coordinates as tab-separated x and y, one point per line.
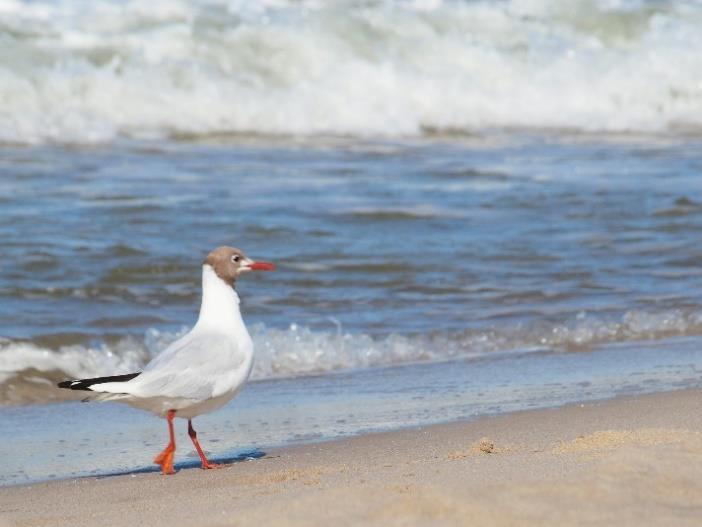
79	71
29	370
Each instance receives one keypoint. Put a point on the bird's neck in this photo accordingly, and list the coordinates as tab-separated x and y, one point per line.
220	304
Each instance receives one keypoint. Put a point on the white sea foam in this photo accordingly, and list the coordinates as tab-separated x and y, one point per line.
27	370
91	71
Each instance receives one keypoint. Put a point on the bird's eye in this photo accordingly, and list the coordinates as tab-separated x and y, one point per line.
236	258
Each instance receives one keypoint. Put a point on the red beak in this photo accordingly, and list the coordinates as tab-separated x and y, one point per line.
262	266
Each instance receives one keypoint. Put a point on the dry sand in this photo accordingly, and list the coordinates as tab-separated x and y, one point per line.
627	462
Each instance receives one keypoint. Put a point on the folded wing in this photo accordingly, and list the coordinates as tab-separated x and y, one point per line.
197	367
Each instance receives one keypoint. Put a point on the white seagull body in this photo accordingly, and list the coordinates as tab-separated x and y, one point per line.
199	372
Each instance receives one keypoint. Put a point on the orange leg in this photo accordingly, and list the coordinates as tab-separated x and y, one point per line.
165	458
193	435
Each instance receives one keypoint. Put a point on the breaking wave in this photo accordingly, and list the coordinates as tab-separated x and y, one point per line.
28	371
86	71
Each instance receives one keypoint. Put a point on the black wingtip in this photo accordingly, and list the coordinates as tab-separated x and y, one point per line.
85	384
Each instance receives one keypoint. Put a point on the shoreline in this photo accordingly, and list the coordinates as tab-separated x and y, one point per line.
188	462
630	459
55	442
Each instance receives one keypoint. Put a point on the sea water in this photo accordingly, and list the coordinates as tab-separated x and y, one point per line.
474	207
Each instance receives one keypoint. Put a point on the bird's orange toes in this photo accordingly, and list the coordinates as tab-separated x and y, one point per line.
165	460
167	465
207	465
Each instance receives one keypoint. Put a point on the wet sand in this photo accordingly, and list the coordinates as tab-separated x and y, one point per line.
629	461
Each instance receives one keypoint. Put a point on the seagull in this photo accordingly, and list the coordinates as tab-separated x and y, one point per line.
201	371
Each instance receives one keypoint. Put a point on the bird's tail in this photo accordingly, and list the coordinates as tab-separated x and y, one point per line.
85	384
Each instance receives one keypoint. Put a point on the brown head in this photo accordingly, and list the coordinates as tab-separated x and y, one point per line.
229	262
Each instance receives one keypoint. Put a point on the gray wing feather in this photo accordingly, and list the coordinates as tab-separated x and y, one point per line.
191	368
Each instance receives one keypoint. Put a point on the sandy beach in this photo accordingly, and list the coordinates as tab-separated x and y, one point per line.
629	461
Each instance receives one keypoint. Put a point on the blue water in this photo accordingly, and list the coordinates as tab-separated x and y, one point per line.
474	207
388	252
418	281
